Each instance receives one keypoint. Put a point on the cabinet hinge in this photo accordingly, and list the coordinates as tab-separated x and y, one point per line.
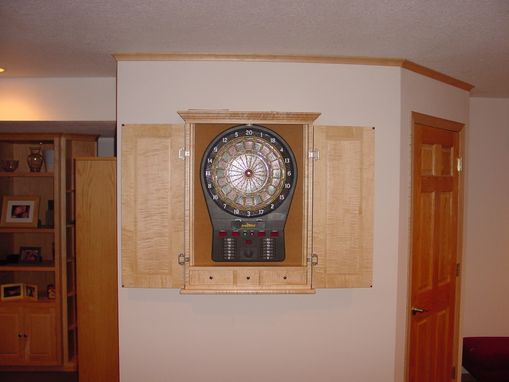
458	269
459	164
453	372
183	259
313	259
183	153
314	154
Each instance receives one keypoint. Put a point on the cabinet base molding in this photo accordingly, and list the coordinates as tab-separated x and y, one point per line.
64	369
247	291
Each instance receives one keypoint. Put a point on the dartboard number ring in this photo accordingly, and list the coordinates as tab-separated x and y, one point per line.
248	171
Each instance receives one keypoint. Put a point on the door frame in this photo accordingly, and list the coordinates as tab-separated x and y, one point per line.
444	124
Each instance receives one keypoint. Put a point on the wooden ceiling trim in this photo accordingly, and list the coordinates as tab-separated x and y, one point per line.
316	59
378	61
227	116
412	66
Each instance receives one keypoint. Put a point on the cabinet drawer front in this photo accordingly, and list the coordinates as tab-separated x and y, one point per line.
248	278
283	277
211	277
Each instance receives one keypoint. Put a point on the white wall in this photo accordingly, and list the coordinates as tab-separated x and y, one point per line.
426	96
57	99
486	266
335	335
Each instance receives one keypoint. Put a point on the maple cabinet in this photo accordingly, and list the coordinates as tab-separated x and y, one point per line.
166	228
47	322
28	335
96	267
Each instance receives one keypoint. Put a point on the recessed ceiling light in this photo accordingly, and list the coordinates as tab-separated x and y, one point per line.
2	70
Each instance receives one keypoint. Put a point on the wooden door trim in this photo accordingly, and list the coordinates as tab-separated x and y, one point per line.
436	122
444	124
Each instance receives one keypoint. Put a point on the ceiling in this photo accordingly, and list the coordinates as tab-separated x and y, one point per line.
465	39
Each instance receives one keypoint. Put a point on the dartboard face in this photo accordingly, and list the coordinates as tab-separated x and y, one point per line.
248	171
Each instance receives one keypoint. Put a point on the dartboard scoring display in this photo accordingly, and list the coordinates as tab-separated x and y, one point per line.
248	176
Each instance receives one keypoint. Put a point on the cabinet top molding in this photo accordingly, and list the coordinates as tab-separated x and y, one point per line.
352	60
227	116
20	137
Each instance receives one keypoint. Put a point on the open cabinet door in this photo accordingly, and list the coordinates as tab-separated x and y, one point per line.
343	192
152	206
96	269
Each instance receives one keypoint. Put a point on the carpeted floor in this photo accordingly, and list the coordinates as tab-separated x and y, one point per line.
467	378
22	376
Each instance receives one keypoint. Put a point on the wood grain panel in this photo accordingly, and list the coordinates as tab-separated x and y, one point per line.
152	206
96	266
245	117
254	279
246	278
40	326
447	159
265	290
187	56
412	66
432	360
284	276
343	207
442	356
212	276
427	160
11	346
76	149
436	160
424	357
445	255
424	258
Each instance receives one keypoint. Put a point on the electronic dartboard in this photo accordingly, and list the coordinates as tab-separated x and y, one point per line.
248	177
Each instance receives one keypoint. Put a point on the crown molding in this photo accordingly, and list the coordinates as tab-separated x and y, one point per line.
227	116
412	66
352	60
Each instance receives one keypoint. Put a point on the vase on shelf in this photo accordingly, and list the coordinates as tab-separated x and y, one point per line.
35	159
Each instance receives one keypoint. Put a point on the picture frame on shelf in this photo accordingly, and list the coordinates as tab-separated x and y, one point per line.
30	255
20	211
18	291
30	292
11	292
